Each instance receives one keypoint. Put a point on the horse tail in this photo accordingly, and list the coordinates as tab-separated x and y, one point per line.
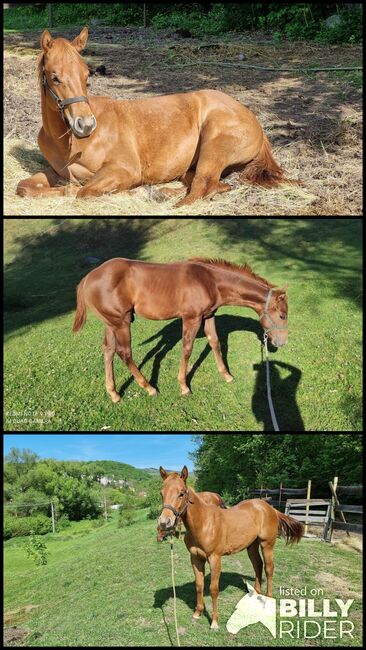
80	316
264	170
289	528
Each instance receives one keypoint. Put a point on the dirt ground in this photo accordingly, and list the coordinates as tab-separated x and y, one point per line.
313	120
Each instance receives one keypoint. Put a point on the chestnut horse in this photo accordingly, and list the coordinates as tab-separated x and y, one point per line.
191	290
213	532
107	145
212	498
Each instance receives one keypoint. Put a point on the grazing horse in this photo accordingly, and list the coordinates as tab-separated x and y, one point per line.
213	532
106	145
191	290
211	498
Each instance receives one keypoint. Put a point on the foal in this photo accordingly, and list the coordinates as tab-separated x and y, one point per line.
191	290
213	532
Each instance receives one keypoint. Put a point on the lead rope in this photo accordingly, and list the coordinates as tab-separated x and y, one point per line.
174	594
269	396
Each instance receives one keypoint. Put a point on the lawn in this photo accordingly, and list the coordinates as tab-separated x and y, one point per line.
112	587
54	380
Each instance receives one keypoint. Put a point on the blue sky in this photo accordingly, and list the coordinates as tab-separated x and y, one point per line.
140	450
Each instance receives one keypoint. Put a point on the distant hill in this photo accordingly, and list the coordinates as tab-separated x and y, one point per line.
122	471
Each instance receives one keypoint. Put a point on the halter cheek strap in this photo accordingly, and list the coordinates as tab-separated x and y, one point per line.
175	511
274	326
61	103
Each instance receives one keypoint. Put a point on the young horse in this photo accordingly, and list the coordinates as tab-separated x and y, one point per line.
213	532
212	498
191	290
111	145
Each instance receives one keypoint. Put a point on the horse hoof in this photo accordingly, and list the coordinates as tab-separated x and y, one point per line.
152	392
214	625
116	398
185	392
195	617
229	379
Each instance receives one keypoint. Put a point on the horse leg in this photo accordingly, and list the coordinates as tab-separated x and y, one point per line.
209	167
215	565
45	183
198	565
267	550
190	330
123	349
109	349
210	331
256	560
110	178
186	179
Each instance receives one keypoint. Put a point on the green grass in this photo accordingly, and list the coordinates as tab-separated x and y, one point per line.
55	380
112	587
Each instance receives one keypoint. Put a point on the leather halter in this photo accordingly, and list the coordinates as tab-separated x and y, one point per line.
175	511
265	313
61	103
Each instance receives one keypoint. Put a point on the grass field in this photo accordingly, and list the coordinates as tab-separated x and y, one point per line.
55	380
112	587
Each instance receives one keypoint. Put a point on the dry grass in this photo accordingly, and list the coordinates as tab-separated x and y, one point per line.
314	122
146	200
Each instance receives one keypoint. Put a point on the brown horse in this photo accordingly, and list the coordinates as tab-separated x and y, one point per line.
110	145
213	532
191	290
212	498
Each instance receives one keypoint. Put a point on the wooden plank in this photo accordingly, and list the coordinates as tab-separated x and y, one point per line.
311	501
341	525
348	508
313	513
313	520
356	490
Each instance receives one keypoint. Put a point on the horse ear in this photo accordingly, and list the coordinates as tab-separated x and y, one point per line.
163	473
80	41
46	40
281	293
184	473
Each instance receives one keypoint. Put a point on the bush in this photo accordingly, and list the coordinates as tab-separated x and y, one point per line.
22	526
125	518
36	549
349	29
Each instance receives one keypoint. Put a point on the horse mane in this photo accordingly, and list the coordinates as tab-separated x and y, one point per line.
243	269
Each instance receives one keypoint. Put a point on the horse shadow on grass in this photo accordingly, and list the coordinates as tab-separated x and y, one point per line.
171	334
187	591
283	389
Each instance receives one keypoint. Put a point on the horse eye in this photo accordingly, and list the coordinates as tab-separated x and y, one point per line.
55	80
283	316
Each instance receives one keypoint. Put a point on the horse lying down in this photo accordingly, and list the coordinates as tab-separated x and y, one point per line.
104	145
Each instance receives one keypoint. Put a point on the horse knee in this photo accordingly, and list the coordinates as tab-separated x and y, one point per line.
125	354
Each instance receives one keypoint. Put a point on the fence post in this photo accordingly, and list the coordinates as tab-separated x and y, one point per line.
53	518
308	494
49	11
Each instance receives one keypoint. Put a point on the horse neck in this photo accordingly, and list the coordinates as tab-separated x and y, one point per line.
240	290
197	513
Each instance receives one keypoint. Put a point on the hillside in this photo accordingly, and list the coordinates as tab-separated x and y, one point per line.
112	587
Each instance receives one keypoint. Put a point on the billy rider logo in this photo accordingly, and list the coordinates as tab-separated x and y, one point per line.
298	617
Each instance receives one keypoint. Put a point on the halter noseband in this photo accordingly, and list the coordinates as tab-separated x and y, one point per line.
265	313
61	103
175	511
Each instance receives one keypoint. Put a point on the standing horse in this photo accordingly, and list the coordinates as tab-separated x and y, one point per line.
191	290
111	145
213	532
212	498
